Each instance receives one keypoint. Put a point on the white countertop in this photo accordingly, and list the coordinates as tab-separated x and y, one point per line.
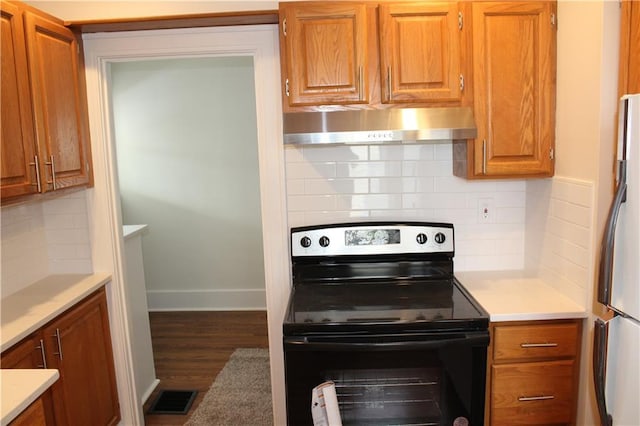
20	388
129	231
514	296
27	310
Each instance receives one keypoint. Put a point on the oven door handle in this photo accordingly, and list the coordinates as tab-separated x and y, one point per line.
382	343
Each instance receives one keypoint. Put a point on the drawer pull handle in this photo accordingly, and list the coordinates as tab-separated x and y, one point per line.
538	345
535	398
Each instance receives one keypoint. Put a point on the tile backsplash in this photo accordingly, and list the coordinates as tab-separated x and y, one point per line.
409	181
561	233
44	237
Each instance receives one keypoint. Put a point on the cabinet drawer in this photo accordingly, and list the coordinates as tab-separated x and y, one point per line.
532	393
535	341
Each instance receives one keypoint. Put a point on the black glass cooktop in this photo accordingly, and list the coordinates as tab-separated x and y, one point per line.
380	306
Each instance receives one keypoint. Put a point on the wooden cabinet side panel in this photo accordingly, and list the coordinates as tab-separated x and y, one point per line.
514	80
630	47
59	116
87	386
18	144
420	52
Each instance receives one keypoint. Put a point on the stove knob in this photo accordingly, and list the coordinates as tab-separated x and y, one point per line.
305	242
421	238
440	238
324	241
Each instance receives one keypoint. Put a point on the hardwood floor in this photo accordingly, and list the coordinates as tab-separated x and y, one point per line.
190	349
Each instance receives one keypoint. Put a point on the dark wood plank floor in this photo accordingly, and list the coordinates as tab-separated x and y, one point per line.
190	349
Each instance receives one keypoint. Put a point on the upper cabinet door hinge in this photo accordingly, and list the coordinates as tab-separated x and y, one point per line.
286	87
554	22
461	83
284	27
460	21
552	154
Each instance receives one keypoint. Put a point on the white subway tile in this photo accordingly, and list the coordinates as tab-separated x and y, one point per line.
443	151
575	192
571	212
336	186
510	199
369	202
338	153
325	217
510	215
455	184
369	169
392	215
311	202
293	154
424	184
393	185
310	171
295	186
386	152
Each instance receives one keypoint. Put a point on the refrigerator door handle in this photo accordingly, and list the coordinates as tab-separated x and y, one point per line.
599	370
606	249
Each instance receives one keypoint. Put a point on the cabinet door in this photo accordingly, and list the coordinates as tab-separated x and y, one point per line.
81	350
326	56
57	99
18	145
29	354
514	51
420	52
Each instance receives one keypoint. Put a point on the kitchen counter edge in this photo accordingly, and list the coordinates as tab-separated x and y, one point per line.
20	388
32	307
518	296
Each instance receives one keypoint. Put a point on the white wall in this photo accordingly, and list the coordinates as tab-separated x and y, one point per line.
188	167
588	45
411	182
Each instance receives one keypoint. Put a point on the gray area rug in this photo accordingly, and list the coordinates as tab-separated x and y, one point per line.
240	395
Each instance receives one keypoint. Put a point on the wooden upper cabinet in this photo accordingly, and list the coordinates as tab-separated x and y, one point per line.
514	69
60	117
324	52
18	143
420	47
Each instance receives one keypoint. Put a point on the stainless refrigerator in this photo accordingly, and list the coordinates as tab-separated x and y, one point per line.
616	352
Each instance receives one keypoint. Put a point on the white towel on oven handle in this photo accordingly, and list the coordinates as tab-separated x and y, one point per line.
324	405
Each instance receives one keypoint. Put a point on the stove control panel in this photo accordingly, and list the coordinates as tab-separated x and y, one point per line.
372	238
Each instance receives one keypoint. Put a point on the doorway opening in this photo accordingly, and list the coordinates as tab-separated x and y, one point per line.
187	155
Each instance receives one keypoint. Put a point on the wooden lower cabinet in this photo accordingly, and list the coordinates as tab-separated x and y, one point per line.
532	377
78	344
38	413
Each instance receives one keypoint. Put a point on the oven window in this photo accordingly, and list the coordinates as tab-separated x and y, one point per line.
399	387
373	395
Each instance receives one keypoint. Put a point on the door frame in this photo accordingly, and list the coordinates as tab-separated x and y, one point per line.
259	42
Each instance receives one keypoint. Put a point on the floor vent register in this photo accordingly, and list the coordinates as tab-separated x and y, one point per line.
173	402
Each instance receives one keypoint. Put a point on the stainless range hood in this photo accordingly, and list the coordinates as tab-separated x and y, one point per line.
376	126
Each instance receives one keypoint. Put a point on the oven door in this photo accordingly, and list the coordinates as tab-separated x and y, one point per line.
400	379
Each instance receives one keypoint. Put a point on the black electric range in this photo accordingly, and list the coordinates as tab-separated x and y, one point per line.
380	299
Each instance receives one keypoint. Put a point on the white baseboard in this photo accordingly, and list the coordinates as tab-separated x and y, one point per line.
207	300
148	392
